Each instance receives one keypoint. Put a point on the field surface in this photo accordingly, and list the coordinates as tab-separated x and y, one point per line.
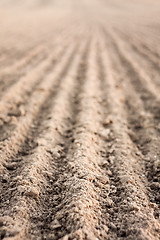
80	120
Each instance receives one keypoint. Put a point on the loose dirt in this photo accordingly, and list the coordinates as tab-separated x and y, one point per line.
79	120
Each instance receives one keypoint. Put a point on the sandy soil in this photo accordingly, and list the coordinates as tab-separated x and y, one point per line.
79	120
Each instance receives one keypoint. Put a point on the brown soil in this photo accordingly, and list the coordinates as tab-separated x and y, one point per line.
79	120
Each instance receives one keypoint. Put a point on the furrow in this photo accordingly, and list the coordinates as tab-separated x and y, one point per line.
9	120
144	59
38	169
141	49
9	55
145	134
21	90
22	62
10	146
150	100
18	54
144	131
21	54
79	120
66	100
149	46
28	79
78	211
14	73
130	208
10	76
142	80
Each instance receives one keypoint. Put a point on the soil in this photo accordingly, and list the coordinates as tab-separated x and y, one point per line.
79	120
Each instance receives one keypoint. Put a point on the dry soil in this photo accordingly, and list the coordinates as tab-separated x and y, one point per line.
80	120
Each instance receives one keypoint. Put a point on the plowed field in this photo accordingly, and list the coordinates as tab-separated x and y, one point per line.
80	120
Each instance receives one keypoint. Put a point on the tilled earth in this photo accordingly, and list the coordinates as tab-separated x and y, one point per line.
79	120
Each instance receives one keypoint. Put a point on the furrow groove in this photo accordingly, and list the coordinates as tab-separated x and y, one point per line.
7	148
34	175
128	191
